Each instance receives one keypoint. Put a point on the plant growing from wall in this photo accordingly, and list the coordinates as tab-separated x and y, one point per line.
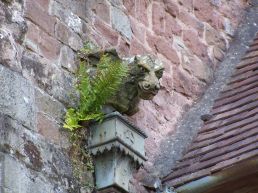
94	91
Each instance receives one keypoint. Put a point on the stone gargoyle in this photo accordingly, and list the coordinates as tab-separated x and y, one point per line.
142	82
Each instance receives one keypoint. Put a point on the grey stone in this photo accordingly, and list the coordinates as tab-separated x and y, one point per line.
25	181
48	105
9	50
117	3
32	150
17	97
67	59
72	20
75	42
121	22
216	2
228	27
63	88
78	7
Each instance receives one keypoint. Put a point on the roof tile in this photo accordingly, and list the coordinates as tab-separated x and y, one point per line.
231	135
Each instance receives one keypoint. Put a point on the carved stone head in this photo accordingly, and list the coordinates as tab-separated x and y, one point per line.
142	82
148	71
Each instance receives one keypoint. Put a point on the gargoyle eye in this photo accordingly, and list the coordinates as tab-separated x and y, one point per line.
159	73
143	70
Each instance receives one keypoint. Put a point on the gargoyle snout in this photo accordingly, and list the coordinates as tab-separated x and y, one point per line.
151	86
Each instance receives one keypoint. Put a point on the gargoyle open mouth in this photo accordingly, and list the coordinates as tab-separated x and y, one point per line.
147	94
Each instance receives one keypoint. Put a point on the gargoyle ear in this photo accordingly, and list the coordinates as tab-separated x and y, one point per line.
137	58
113	52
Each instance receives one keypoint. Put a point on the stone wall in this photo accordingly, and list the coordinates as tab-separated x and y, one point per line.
37	61
38	42
191	37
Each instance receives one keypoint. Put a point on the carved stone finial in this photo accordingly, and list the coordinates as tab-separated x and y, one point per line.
142	82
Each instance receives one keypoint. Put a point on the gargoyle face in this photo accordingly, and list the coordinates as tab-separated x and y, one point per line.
150	71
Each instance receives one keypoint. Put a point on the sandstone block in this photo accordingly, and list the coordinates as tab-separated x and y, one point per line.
75	42
191	21
110	35
216	3
62	87
218	53
123	48
77	7
67	36
203	10
130	7
138	30
141	11
102	10
35	13
172	27
67	59
197	68
37	164
116	3
171	7
74	22
212	37
44	4
164	47
193	42
49	47
67	16
188	4
37	70
9	55
32	37
48	128
136	48
62	32
158	18
121	23
49	106
187	85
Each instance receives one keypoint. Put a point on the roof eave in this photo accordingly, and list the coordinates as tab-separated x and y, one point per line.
236	171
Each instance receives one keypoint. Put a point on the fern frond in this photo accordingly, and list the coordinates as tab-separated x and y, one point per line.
108	81
95	92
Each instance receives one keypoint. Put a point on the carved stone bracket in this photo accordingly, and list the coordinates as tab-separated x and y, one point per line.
142	82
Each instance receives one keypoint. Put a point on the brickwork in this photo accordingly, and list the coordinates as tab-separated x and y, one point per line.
39	40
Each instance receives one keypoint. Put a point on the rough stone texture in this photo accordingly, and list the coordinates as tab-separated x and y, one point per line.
121	23
36	76
38	61
17	97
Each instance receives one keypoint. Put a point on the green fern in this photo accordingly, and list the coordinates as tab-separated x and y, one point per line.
95	92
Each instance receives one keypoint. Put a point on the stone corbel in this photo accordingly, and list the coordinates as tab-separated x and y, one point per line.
142	82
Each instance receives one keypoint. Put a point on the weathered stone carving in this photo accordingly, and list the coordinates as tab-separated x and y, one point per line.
142	82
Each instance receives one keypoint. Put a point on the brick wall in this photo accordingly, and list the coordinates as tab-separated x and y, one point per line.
39	39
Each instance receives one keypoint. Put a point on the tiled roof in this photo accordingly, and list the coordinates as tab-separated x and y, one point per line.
231	135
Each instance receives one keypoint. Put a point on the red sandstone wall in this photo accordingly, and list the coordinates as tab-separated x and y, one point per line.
189	36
